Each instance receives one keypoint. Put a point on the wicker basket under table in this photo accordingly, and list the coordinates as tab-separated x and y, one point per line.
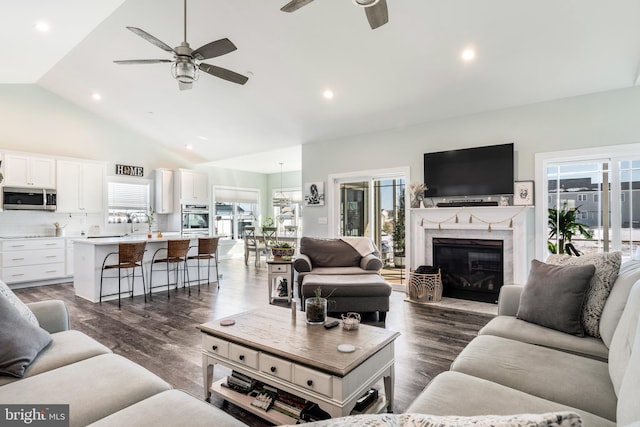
425	287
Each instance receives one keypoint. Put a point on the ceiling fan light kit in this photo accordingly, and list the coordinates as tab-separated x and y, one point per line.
186	64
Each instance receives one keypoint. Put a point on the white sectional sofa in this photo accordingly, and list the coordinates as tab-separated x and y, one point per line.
100	387
516	367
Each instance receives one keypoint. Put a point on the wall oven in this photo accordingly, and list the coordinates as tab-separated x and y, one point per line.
39	199
195	220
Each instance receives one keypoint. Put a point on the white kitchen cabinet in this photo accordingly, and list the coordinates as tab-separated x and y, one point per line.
192	187
81	186
164	195
29	171
28	260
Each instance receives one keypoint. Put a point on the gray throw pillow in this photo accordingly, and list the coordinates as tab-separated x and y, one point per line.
6	292
20	340
553	296
607	268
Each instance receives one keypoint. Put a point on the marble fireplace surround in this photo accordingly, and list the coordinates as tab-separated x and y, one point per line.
518	240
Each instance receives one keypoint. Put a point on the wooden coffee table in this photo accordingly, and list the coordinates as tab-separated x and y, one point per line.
268	345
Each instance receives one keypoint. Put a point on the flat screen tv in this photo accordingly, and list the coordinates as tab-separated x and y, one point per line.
474	171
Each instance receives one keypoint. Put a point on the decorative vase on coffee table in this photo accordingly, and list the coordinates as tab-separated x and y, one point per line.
316	309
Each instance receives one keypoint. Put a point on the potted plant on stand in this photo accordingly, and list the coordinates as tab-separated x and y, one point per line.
399	236
563	225
282	251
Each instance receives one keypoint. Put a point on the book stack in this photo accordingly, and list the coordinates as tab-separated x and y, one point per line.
289	404
240	382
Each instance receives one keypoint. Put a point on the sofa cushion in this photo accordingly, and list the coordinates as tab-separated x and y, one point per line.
454	393
66	348
624	338
329	252
93	388
553	296
628	408
7	293
172	408
628	275
355	285
572	380
519	330
20	340
607	268
555	419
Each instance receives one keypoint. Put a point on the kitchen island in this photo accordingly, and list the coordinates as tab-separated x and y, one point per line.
89	254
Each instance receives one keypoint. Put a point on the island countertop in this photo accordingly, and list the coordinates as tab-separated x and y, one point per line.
100	241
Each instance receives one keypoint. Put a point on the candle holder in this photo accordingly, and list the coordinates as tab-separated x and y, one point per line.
350	321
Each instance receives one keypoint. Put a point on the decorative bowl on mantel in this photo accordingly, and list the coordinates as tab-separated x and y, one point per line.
282	254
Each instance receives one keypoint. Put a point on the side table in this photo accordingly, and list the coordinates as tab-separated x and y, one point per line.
280	279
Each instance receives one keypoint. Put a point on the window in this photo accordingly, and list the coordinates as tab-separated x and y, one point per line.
612	215
128	202
235	209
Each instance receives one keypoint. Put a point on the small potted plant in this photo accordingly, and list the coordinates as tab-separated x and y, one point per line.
150	219
282	251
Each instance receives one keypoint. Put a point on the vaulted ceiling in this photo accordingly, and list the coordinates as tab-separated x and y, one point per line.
405	72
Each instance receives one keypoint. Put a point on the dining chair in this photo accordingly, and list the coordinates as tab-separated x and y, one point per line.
176	254
130	256
269	237
252	244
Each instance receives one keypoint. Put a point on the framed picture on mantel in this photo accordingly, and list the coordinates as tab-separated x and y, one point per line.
523	193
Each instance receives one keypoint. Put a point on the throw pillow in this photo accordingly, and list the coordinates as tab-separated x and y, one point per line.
553	296
552	419
607	268
20	340
7	293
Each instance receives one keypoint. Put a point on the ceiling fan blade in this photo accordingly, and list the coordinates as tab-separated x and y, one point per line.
224	74
294	5
142	61
148	37
213	49
184	86
378	14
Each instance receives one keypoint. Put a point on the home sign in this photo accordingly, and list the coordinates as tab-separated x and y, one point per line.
129	170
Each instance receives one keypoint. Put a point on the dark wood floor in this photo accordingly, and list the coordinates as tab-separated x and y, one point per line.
161	335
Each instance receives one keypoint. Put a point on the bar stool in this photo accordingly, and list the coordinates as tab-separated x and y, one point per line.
129	256
207	250
176	254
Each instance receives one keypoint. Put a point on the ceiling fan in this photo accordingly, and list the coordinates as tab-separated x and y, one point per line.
187	62
376	10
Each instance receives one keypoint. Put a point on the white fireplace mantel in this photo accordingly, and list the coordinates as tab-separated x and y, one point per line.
515	221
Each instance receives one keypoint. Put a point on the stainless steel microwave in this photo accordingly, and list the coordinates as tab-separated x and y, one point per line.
39	199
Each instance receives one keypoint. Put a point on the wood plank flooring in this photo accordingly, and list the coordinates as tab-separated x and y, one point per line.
161	335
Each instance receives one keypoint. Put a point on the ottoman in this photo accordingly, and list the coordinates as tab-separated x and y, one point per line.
350	292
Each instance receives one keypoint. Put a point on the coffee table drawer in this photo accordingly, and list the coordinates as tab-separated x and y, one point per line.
243	355
275	366
215	345
312	380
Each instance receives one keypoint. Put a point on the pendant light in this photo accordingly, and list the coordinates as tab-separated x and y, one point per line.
279	199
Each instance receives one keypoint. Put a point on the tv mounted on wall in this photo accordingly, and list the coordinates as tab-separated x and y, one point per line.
475	171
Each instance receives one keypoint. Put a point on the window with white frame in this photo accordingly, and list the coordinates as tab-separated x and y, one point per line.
612	215
235	208
128	202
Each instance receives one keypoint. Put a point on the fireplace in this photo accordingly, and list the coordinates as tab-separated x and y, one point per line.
471	268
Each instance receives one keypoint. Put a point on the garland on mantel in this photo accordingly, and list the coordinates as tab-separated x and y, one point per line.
471	217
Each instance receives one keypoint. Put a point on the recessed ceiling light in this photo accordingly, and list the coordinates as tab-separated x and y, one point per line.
42	26
328	94
204	138
96	96
189	147
468	54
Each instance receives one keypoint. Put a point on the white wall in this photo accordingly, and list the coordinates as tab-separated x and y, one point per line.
607	118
